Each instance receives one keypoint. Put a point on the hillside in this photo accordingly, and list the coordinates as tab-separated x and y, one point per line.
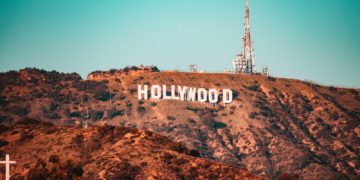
273	126
45	151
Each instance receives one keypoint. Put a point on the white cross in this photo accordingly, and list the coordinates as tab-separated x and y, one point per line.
7	163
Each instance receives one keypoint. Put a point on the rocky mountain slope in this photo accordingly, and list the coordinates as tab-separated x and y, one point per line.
273	126
45	151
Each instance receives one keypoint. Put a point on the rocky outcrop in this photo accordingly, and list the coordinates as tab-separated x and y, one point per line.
116	73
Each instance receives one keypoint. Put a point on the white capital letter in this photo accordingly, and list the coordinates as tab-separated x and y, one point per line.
213	96
191	94
227	96
173	94
142	91
182	91
202	95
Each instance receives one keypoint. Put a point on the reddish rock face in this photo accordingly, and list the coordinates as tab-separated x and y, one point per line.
274	127
107	152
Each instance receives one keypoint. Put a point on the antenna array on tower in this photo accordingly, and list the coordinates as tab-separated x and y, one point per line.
245	61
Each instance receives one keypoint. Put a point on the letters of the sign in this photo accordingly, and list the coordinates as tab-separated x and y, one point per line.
184	93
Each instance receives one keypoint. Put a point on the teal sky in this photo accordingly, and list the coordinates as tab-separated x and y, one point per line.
317	40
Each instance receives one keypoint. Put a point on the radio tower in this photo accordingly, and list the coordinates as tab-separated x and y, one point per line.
245	61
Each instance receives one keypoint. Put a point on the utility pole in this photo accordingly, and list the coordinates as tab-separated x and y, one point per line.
85	121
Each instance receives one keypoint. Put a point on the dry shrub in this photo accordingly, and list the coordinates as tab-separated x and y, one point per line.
103	95
21	110
194	153
31	121
141	109
91	145
25	136
168	157
39	172
255	87
113	112
75	114
218	125
54	158
123	170
73	169
171	118
90	86
253	115
3	142
334	116
105	130
3	128
178	147
77	140
96	115
3	101
132	91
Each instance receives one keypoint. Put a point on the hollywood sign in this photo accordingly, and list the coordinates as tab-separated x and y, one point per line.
184	93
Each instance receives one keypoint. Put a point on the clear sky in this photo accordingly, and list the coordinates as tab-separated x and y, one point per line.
317	40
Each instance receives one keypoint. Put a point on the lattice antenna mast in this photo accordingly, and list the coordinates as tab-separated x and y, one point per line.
249	60
245	61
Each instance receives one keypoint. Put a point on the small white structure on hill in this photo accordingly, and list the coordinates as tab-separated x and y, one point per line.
265	71
193	68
